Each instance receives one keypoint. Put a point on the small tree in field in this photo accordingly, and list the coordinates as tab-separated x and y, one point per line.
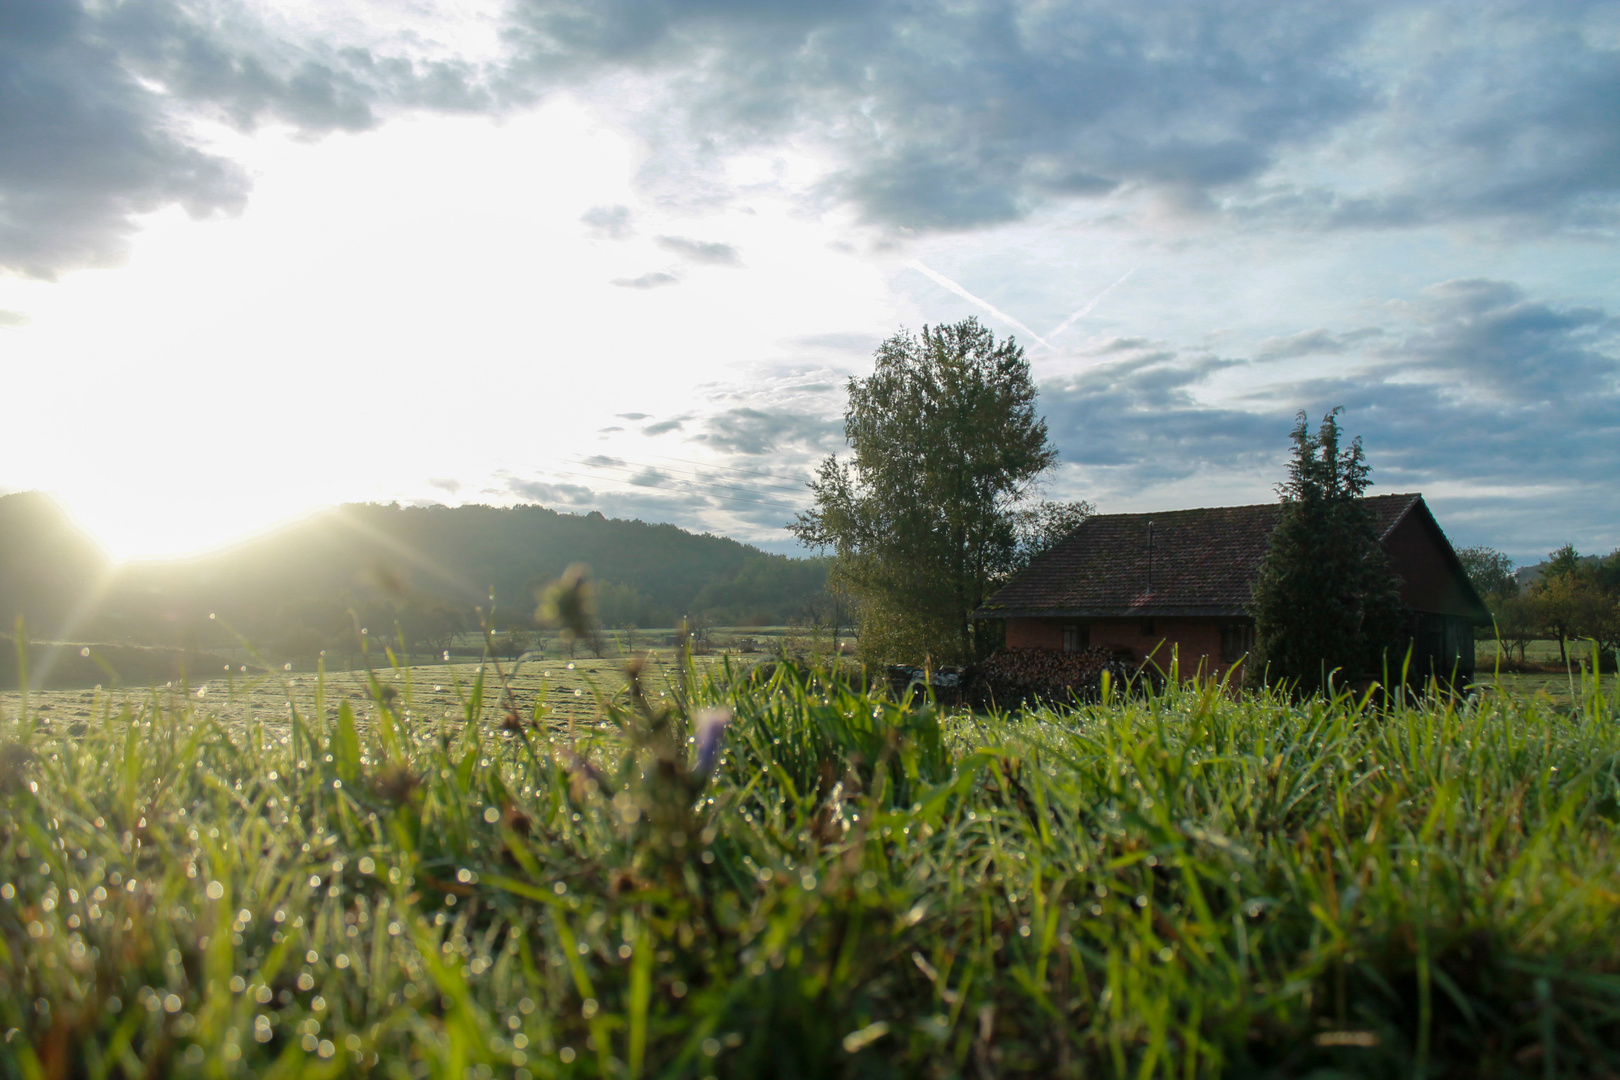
1326	600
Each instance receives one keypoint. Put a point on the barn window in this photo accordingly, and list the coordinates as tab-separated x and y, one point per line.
1076	638
1237	641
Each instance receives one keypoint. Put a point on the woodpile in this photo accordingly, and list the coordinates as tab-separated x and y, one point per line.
1012	678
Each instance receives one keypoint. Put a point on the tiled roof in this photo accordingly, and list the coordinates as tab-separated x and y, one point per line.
1204	562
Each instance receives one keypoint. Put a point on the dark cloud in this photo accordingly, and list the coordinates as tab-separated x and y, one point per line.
952	116
651	280
700	251
611	222
662	426
1491	332
552	494
633	415
759	431
90	97
933	116
1307	343
445	484
84	146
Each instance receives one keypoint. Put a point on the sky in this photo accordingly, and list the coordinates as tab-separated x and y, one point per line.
624	255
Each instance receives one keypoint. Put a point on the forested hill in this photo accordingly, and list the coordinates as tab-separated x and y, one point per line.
389	564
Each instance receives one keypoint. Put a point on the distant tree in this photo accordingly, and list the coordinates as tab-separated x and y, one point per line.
1578	597
947	446
1565	562
1326	599
1041	526
517	642
1519	622
1597	619
1558	596
1490	572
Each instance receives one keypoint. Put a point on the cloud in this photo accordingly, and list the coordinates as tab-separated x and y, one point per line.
564	494
609	222
1492	332
649	477
13	318
632	415
84	146
663	426
757	431
94	99
445	484
1475	390
944	117
700	251
1308	343
650	280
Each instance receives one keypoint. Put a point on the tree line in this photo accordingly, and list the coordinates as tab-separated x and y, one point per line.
423	574
1574	597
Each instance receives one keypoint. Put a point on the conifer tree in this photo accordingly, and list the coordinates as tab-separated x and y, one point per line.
1326	603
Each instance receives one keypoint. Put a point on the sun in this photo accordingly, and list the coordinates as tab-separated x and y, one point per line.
132	526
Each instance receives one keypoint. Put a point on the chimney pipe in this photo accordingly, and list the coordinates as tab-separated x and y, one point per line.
1150	559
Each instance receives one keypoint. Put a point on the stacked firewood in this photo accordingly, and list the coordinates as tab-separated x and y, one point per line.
1010	678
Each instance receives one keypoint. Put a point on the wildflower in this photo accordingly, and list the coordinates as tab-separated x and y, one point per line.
711	730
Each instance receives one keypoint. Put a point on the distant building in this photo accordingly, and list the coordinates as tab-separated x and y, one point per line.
1179	583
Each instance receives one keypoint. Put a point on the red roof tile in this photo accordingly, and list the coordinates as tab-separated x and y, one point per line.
1204	562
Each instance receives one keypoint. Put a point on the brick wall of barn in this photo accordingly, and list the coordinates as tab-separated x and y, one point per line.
1194	641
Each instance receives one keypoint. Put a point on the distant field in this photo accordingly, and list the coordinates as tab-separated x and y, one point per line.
565	690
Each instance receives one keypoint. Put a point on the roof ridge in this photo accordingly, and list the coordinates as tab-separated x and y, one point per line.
1409	495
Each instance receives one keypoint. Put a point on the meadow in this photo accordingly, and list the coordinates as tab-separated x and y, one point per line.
731	872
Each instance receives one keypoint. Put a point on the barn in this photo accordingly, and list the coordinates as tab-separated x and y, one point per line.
1149	586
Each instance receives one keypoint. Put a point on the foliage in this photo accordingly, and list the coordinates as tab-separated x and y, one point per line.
1577	597
947	445
788	877
1041	526
1490	572
1325	599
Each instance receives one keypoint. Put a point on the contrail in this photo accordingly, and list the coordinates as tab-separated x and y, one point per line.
941	279
1083	312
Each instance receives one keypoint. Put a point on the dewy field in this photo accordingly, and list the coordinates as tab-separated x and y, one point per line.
729	873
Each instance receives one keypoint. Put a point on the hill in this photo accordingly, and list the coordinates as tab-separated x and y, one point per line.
425	568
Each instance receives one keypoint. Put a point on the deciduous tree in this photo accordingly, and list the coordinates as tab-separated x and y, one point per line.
947	447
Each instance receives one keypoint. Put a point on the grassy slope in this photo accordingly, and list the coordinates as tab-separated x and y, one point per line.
1184	886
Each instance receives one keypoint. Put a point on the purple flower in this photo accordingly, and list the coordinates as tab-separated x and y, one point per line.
711	730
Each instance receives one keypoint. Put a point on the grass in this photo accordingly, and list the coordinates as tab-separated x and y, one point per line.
244	696
786	877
